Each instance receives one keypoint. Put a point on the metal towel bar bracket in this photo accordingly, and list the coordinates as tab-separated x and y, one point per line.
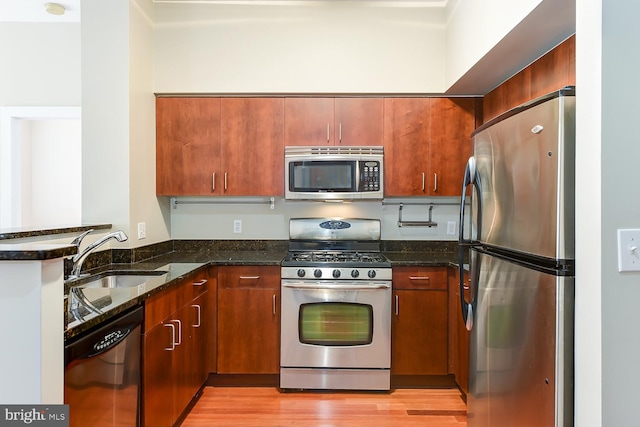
429	223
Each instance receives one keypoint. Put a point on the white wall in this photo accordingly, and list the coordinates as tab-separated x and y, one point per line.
105	113
52	177
590	217
143	204
40	64
119	119
259	221
618	201
324	47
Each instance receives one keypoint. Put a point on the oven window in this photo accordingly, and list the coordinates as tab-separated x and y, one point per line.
335	324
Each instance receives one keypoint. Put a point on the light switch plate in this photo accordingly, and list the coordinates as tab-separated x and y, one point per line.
237	226
629	250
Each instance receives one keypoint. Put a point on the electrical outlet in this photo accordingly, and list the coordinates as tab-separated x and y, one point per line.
237	226
628	250
451	228
142	230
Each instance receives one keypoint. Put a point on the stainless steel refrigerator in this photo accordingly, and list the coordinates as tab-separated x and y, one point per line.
519	243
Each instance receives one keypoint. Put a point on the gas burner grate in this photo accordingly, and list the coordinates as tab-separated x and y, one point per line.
329	256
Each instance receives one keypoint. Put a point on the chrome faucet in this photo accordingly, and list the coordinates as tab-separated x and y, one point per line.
79	258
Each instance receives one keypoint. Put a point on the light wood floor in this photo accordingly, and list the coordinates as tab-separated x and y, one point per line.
266	406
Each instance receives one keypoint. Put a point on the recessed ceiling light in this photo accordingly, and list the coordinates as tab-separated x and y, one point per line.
55	8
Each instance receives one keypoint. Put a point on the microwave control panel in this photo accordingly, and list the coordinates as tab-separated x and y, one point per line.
370	176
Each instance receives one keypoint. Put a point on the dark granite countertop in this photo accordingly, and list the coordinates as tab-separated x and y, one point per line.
35	251
182	264
26	232
435	259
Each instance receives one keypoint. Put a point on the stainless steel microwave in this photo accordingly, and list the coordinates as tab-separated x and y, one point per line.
334	173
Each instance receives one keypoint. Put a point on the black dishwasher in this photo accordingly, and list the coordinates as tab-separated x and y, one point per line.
102	374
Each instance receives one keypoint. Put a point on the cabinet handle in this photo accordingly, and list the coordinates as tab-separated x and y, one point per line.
273	306
173	336
435	182
200	283
179	322
328	133
397	305
197	307
225	181
423	181
340	133
420	278
249	277
213	181
465	287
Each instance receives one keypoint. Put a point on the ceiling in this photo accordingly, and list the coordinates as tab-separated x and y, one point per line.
34	10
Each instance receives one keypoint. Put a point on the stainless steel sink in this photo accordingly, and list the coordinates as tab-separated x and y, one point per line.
121	279
98	293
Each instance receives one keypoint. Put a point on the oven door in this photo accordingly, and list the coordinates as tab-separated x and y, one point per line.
330	324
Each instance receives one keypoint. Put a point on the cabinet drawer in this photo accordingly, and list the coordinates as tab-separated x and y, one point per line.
196	286
420	278
249	276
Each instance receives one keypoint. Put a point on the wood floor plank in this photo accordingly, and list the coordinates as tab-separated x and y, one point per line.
267	407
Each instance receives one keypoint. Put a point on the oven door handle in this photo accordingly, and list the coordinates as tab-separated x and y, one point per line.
337	287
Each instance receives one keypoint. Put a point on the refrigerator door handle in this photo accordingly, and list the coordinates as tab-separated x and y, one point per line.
470	178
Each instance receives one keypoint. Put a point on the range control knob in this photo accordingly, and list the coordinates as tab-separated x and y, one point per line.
355	273
371	274
336	273
301	272
317	273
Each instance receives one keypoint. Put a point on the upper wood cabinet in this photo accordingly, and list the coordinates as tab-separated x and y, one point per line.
252	146
333	121
427	142
452	123
187	146
406	147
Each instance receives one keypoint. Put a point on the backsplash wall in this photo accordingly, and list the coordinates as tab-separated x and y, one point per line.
213	218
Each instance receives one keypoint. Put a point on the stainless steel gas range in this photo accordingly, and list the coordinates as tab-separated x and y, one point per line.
336	306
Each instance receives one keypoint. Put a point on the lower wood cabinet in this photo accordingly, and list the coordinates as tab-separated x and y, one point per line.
459	336
419	325
175	361
248	320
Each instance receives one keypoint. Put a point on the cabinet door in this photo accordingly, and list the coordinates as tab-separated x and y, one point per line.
358	121
308	121
248	331
406	146
252	146
419	333
460	338
248	320
182	392
198	346
157	376
452	120
187	146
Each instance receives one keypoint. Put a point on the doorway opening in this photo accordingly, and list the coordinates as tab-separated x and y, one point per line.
40	167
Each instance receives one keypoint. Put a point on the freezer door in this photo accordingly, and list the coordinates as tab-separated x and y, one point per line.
525	164
521	346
